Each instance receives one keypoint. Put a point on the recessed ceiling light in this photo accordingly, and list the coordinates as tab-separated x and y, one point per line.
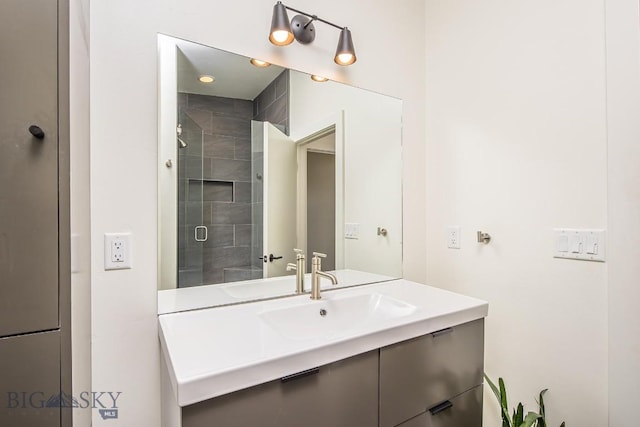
206	79
259	63
319	79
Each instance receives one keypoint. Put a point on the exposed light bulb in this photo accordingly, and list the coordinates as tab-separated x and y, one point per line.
344	58
280	36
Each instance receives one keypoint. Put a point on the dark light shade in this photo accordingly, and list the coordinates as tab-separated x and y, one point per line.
281	34
345	53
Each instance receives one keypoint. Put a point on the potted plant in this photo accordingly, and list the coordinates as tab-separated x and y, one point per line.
517	418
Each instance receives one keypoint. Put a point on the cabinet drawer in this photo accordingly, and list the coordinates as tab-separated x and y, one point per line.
464	410
341	394
417	374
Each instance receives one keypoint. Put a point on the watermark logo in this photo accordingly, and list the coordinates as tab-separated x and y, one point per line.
106	402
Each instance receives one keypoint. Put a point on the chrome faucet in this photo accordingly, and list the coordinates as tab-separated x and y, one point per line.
317	274
299	268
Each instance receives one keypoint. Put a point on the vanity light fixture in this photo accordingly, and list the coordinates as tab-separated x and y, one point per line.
206	79
318	79
301	28
258	63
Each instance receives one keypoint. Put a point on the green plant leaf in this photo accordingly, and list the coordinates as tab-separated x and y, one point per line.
503	404
562	425
530	419
543	417
493	387
504	411
518	415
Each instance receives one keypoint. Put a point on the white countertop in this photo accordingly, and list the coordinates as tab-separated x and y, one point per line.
196	297
216	351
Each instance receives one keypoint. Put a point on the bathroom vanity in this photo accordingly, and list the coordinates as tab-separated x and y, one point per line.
396	353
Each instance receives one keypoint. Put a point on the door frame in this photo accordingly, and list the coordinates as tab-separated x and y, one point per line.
332	123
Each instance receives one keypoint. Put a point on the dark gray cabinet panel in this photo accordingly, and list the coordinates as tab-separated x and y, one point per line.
418	374
29	379
464	410
28	166
342	394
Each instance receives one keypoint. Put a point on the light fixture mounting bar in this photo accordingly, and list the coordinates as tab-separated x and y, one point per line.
313	17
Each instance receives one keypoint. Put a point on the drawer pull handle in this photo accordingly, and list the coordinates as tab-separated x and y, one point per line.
441	407
36	131
302	374
441	332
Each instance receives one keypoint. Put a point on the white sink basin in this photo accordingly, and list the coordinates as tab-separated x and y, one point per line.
334	316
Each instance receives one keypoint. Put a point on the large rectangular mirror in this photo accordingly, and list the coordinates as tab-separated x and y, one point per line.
255	161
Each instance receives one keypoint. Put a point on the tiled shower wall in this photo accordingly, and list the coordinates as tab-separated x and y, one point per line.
223	175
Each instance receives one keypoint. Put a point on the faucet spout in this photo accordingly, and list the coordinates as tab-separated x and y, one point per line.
332	277
317	274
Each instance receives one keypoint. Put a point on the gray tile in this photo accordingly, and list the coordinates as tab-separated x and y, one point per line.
231	126
217	191
267	96
182	101
242	149
243	235
211	103
236	274
192	259
192	166
243	108
242	192
219	146
212	276
230	170
219	236
194	191
231	213
202	118
282	83
277	112
194	214
189	278
226	257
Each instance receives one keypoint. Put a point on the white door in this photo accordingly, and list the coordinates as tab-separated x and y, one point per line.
280	169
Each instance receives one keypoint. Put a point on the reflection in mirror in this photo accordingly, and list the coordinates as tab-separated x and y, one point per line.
261	160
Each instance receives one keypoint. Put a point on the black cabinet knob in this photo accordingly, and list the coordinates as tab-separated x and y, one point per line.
36	131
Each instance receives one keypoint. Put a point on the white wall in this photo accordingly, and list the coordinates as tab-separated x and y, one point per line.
390	44
516	145
623	103
373	165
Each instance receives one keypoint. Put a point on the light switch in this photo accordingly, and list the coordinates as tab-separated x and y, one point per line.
351	230
588	245
575	243
562	243
592	244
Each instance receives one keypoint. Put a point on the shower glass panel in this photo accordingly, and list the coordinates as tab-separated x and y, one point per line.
192	230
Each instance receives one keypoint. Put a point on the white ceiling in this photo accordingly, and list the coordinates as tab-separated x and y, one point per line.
235	76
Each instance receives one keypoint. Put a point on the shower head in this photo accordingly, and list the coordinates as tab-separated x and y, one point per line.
181	143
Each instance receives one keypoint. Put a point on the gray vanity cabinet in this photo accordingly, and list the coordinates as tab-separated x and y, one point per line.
464	410
430	373
35	341
341	394
28	166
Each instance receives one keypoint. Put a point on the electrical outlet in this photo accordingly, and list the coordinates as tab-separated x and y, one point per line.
117	251
453	237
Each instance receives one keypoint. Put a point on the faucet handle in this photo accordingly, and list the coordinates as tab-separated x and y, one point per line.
319	255
298	251
291	266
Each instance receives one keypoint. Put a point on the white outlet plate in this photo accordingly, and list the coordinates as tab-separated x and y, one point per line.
453	237
117	251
